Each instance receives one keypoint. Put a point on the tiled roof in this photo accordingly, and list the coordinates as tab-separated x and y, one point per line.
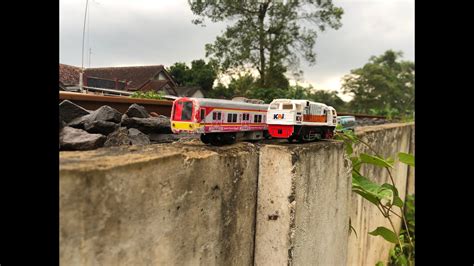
157	85
135	75
69	75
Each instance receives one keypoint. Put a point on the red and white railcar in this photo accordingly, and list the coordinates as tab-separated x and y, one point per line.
219	121
301	120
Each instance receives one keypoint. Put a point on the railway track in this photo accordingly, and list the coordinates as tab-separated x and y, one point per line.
161	107
120	103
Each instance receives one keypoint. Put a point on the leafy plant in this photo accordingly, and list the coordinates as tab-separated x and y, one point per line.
384	196
148	95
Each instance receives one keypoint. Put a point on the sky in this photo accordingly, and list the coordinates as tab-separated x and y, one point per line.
160	32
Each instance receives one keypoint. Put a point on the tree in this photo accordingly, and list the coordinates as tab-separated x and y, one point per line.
385	83
267	35
328	97
200	74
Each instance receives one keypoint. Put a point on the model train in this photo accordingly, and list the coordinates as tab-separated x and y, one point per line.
301	120
225	121
219	121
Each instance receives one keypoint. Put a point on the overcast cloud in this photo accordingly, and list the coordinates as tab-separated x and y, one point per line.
150	32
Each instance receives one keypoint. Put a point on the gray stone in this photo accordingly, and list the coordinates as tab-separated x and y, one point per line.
118	138
78	139
79	122
106	113
138	111
68	111
101	127
137	138
159	124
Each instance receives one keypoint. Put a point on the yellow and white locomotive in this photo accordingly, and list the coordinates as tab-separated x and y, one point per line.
300	120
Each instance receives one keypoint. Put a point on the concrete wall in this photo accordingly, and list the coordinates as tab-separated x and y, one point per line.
191	204
158	205
387	140
303	200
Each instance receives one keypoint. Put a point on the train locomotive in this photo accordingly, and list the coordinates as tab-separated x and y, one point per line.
219	121
301	120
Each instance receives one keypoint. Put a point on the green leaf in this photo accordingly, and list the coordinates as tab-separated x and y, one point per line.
386	233
363	184
366	196
379	264
397	201
348	147
356	163
401	260
406	158
374	160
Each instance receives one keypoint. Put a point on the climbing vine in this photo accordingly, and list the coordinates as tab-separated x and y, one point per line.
384	196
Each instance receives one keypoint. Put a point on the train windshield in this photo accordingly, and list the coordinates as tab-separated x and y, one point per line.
183	111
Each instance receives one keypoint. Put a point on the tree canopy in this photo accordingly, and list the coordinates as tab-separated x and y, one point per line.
199	74
267	35
385	83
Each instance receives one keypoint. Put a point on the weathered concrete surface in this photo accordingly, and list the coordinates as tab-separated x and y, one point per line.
178	204
303	205
387	140
411	170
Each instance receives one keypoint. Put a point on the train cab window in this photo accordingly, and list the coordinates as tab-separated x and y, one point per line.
274	106
187	111
234	118
333	112
287	106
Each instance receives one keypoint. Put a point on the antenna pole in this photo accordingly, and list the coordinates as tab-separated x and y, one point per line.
81	82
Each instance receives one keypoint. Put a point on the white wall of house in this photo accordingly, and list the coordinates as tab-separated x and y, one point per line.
198	94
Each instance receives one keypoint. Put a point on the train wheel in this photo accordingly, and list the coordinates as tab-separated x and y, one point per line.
230	138
206	139
215	140
290	139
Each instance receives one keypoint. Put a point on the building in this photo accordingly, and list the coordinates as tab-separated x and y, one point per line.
129	79
194	92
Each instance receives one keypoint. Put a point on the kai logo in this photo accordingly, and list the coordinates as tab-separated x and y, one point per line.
278	116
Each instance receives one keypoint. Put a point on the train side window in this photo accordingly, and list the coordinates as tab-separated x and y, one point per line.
234	118
219	116
214	116
287	106
229	118
203	114
257	118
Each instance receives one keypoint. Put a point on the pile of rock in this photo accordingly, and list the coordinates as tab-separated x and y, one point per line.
81	129
360	122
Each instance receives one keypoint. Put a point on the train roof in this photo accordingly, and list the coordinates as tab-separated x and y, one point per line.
229	104
300	102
